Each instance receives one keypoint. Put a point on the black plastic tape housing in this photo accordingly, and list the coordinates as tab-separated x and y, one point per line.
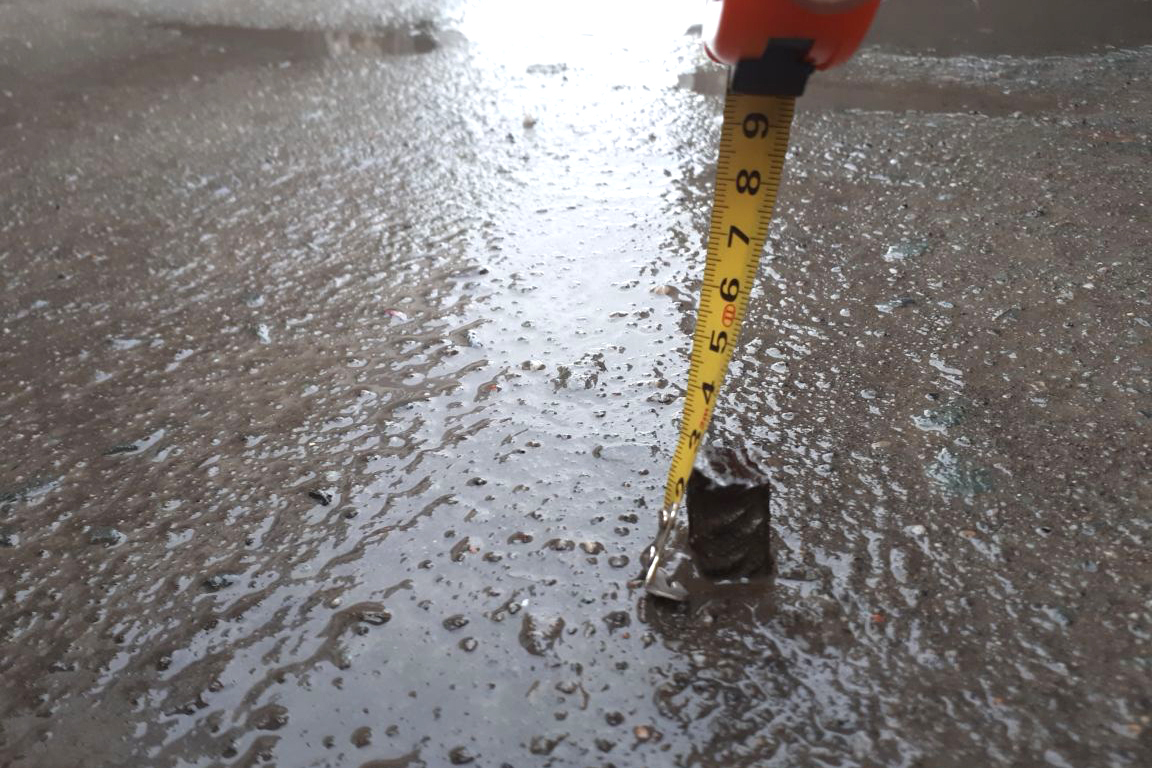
783	70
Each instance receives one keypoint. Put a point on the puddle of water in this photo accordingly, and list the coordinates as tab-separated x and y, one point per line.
370	487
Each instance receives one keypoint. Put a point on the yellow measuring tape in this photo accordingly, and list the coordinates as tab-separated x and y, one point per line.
753	144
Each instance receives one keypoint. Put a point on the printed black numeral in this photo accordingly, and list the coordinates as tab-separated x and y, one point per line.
719	341
748	182
729	288
734	231
709	389
756	125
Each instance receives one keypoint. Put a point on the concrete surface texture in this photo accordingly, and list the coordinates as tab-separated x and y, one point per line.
341	346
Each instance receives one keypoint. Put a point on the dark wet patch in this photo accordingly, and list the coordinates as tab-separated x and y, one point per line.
180	52
1012	27
299	44
854	89
26	491
957	476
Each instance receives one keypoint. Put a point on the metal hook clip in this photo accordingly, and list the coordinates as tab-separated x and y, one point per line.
657	581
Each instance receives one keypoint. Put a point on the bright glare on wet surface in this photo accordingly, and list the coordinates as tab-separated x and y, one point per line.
342	347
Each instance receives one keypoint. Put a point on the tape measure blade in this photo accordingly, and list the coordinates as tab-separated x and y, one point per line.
753	146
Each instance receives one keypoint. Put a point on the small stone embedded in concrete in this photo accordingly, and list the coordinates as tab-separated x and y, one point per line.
375	618
617	620
538	635
104	534
218	581
362	737
323	496
457	621
897	303
543	745
461	756
905	250
271	718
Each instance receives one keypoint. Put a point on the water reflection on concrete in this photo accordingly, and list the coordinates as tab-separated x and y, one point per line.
337	400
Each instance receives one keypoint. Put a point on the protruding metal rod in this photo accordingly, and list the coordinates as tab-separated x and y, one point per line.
657	582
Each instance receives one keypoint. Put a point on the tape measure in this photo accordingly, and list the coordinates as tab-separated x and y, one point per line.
753	144
773	45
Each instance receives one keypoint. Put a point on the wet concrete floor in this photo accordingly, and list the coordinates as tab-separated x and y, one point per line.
341	361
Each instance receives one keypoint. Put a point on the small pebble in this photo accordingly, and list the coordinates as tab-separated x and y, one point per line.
617	619
459	621
103	534
375	618
218	582
642	732
461	756
469	644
